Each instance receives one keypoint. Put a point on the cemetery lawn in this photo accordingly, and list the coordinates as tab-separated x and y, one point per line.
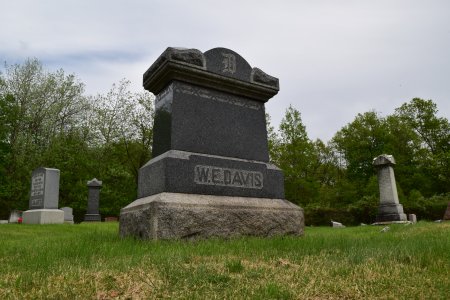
90	261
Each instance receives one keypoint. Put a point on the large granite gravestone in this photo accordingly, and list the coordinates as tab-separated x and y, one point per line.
447	213
93	213
44	198
210	174
390	209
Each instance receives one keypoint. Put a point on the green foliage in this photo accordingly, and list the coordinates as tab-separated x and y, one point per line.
46	120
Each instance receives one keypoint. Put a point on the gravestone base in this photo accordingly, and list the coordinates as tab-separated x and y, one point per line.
390	213
43	216
194	216
92	218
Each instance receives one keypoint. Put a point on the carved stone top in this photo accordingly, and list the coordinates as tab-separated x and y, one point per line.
218	68
383	159
94	183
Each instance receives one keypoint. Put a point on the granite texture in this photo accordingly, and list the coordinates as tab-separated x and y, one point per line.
68	214
188	216
219	68
92	214
210	174
389	209
43	216
194	173
44	189
195	119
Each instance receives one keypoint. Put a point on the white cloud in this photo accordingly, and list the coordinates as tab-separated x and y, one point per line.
334	59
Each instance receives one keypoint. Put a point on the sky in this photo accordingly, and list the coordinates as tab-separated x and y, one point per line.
334	59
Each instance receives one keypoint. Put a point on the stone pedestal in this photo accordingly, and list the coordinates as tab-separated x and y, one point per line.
210	174
390	209
93	213
43	216
191	216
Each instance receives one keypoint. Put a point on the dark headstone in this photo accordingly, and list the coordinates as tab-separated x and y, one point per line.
93	213
210	152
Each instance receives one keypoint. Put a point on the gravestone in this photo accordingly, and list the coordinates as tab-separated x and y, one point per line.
210	175
68	214
412	218
93	213
14	216
44	197
447	213
389	210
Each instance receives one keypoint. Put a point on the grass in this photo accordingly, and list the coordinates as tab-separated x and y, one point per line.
90	261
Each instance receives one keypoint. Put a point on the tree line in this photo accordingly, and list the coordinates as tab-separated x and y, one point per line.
47	120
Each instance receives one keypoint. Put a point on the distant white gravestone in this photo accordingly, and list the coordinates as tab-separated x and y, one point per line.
44	198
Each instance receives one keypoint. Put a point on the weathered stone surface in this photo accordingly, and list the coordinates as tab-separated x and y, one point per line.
44	189
68	214
44	198
412	218
194	173
390	209
43	216
219	68
196	119
447	213
93	213
210	174
189	216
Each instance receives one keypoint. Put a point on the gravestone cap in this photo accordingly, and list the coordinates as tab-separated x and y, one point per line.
94	183
218	68
383	159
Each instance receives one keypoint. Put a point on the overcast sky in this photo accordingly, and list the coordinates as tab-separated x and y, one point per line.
334	59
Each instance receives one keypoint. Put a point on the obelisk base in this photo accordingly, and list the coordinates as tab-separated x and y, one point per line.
193	216
390	213
92	218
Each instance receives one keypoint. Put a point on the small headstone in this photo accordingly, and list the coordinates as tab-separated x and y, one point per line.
447	213
390	210
337	224
412	218
14	216
111	219
93	213
68	214
4	222
44	197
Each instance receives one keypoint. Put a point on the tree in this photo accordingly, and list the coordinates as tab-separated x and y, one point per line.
296	157
40	105
359	142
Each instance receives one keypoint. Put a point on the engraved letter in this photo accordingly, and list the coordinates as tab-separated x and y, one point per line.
202	174
229	63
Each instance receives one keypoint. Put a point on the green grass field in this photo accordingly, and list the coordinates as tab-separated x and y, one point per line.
90	261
